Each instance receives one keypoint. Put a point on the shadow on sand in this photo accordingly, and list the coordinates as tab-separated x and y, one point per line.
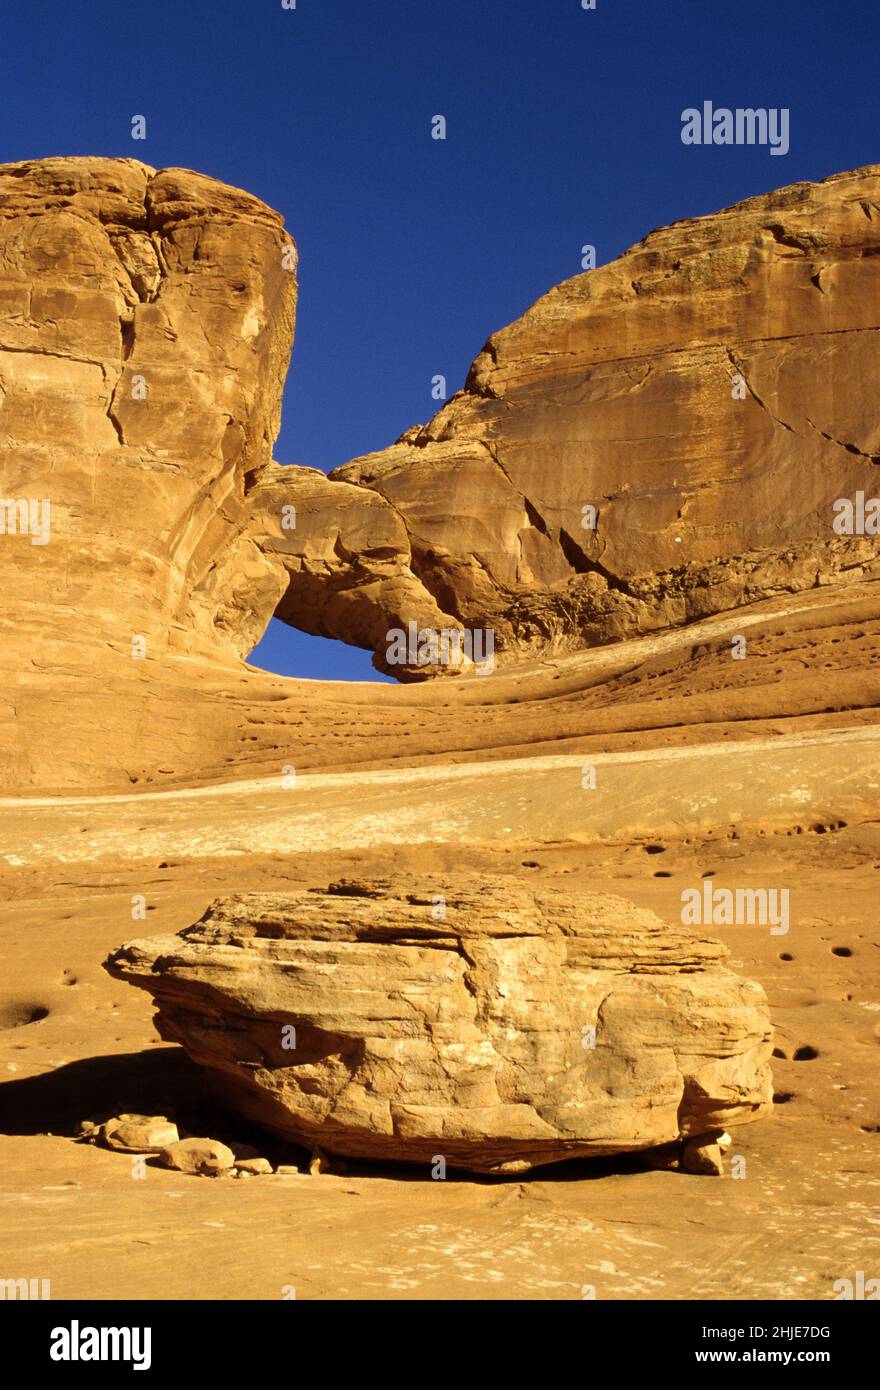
164	1081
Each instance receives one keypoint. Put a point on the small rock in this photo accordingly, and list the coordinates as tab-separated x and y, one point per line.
206	1157
87	1129
723	1141
139	1134
288	1170
703	1156
253	1167
318	1163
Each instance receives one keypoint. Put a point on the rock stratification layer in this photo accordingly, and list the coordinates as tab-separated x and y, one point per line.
500	1029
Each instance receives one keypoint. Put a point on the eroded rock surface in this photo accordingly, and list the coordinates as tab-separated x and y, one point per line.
146	320
708	394
521	1027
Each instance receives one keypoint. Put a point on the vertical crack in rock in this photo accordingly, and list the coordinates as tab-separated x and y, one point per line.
845	444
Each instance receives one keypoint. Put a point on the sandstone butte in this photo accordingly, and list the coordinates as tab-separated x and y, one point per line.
709	395
521	1027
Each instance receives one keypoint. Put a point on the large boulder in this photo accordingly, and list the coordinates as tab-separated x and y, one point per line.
497	1026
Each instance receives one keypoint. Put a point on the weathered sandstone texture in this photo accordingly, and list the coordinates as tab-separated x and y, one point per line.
521	1028
146	326
146	321
709	394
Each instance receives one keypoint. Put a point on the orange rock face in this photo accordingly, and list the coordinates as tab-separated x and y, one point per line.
653	442
663	437
145	325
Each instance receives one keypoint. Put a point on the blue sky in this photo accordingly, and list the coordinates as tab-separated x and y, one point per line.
563	128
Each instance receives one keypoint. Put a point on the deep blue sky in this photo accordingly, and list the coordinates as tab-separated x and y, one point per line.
563	128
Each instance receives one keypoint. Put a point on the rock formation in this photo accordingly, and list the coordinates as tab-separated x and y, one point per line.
147	320
653	441
145	324
505	1028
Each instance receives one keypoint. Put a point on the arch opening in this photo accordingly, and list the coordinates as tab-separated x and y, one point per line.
286	651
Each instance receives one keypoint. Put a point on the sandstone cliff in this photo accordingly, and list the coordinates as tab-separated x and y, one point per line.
145	325
655	440
699	404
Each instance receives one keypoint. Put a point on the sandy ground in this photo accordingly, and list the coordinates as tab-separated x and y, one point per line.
789	810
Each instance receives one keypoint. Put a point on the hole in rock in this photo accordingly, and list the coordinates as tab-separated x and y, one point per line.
662	873
655	849
284	651
785	955
783	1097
778	1052
17	1014
805	1054
841	951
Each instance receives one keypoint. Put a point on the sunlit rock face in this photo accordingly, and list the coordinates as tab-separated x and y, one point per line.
513	1028
146	320
660	438
654	441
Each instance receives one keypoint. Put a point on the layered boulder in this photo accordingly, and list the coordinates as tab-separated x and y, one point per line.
496	1026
